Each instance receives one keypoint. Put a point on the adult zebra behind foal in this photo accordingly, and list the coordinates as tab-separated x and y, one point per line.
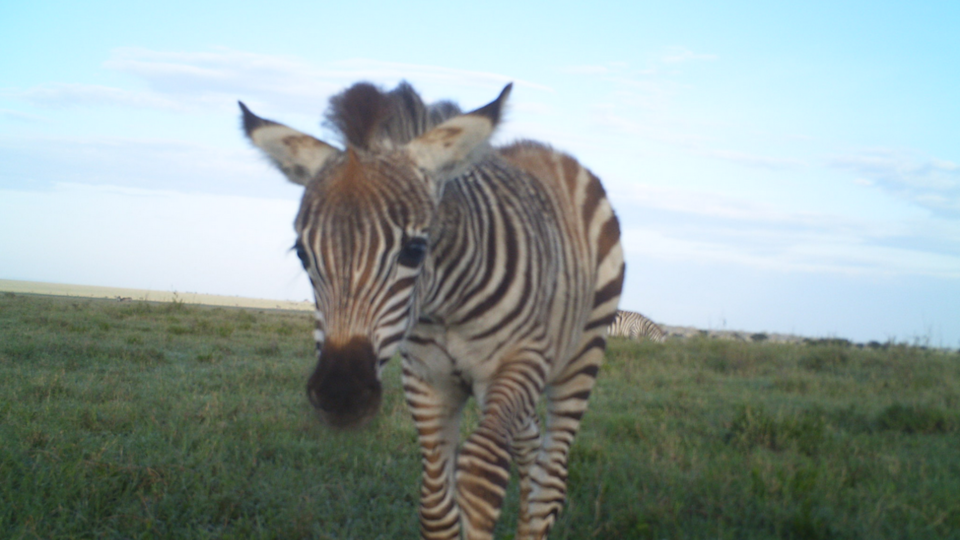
633	325
494	271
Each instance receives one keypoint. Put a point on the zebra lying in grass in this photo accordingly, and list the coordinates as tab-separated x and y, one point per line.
493	271
633	325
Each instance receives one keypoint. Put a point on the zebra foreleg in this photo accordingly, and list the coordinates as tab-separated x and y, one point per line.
483	463
437	418
524	448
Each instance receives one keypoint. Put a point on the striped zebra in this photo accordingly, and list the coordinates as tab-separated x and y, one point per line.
633	325
493	271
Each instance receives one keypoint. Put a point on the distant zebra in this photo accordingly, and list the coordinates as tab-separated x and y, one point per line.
494	271
633	325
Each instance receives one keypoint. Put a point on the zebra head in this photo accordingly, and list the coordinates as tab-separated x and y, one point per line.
364	225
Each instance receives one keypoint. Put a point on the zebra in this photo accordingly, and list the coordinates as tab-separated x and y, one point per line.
494	272
633	325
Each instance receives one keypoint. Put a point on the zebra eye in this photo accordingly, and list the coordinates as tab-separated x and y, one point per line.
412	252
302	255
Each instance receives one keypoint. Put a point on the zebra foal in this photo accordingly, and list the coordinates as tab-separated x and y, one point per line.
493	271
633	325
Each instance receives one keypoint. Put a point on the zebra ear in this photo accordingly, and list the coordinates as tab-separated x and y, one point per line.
298	155
448	148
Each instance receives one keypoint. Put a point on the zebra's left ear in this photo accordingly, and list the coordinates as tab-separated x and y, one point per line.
448	148
297	154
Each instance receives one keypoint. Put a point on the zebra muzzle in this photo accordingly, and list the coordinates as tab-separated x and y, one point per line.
344	387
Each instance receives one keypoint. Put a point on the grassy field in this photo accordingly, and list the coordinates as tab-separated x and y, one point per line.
138	420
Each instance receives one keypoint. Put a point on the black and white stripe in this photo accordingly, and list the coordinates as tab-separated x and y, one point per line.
633	325
495	272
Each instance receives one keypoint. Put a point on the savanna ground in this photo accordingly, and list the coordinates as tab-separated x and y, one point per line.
141	420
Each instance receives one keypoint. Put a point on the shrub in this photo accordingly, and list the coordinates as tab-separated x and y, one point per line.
820	358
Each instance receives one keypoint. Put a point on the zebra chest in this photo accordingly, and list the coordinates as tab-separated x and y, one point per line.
444	358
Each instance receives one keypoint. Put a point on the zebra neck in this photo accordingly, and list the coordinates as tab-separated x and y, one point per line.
456	262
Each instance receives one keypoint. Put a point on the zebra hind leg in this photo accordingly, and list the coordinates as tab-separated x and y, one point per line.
566	403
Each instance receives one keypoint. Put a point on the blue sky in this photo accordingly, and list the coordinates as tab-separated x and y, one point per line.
779	168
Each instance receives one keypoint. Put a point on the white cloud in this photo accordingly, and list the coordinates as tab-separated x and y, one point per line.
705	228
669	57
22	116
613	117
803	251
931	183
40	162
647	104
394	71
197	81
767	219
754	160
61	95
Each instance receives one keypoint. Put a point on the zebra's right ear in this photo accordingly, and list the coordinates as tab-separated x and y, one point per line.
297	154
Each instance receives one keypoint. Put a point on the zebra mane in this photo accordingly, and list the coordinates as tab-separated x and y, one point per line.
366	117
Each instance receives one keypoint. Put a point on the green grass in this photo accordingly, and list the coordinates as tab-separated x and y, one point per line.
138	420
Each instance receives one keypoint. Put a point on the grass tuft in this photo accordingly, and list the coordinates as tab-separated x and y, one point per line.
753	427
918	419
